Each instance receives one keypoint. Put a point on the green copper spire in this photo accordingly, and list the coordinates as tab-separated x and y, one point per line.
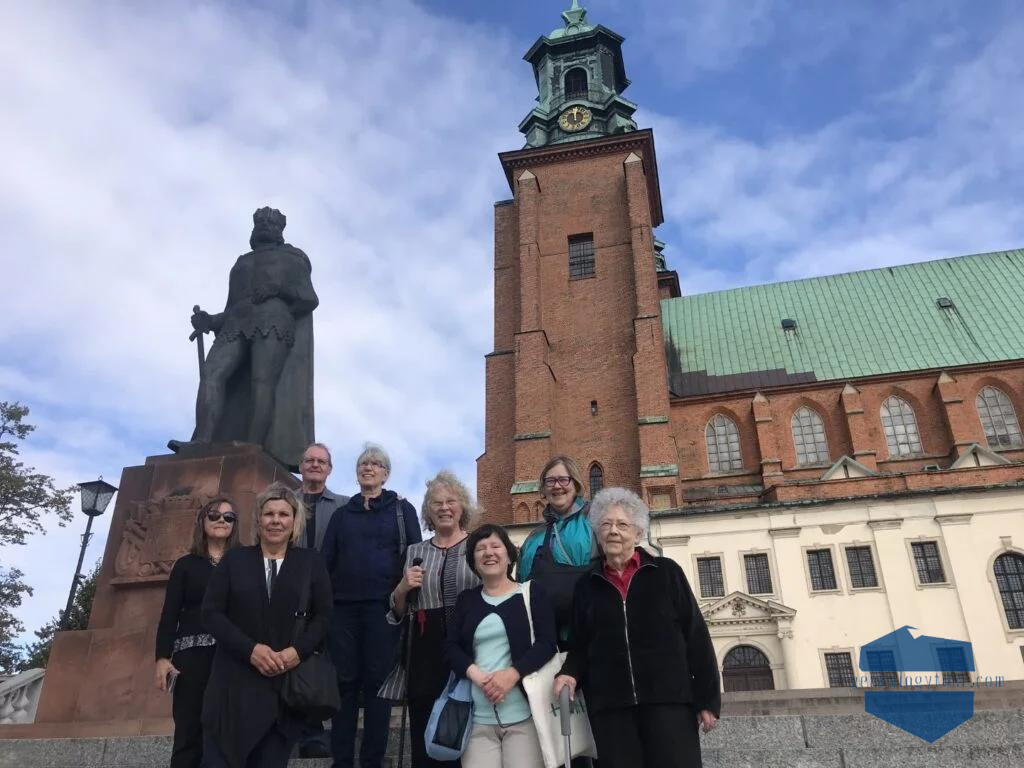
580	78
574	21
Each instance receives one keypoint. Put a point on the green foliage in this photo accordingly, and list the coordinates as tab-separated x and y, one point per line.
25	495
12	591
26	498
38	653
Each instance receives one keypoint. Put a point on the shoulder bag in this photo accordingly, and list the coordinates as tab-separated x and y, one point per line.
539	687
312	687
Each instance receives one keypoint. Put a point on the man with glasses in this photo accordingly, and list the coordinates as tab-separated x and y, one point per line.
321	503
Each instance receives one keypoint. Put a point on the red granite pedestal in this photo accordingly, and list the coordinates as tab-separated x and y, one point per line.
99	682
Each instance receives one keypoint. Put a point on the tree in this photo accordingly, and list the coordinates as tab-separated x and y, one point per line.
12	590
26	496
38	654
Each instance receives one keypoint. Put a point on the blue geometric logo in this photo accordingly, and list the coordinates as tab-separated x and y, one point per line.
927	714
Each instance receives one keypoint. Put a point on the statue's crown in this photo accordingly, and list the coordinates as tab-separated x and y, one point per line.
271	216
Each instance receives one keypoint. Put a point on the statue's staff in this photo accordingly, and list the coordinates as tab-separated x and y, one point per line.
197	337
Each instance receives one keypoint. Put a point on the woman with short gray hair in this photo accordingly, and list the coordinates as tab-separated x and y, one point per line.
641	651
364	548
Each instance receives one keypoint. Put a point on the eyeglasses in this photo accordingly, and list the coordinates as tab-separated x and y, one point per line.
619	525
376	464
215	517
439	504
317	462
551	482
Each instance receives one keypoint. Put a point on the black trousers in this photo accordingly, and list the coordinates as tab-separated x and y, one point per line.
187	705
272	751
419	714
647	736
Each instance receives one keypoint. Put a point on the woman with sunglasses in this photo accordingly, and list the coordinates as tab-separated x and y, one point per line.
184	650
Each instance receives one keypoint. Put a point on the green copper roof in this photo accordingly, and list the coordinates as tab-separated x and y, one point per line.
847	326
575	22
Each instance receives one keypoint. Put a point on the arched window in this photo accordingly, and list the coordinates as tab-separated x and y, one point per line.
900	426
998	418
723	441
596	479
809	437
1009	573
747	669
575	83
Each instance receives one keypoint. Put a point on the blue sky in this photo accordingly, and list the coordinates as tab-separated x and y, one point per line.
793	139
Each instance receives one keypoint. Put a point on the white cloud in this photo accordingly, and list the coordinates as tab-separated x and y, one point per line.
139	141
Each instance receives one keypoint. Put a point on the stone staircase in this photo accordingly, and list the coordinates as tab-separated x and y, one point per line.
991	739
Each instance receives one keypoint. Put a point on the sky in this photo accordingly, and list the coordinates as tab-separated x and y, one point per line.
793	140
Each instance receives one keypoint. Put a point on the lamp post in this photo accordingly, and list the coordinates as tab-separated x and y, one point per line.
96	495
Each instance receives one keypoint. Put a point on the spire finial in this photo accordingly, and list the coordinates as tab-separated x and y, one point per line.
574	16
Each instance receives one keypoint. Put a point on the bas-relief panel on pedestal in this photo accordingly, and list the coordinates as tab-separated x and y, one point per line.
156	533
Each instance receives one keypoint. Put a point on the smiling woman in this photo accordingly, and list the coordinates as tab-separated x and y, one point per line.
251	607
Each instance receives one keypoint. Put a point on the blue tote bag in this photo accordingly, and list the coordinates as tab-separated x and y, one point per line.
451	721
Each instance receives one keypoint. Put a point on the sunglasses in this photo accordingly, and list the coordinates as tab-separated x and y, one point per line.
215	517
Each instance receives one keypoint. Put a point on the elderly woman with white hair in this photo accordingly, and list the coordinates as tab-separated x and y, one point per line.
364	548
640	650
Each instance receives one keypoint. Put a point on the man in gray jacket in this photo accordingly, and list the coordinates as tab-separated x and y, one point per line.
321	503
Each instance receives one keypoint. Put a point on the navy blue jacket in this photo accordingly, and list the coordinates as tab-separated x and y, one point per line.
362	547
527	657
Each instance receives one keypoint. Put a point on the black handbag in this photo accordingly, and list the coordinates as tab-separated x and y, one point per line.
312	687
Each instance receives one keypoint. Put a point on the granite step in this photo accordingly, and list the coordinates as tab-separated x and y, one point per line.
990	739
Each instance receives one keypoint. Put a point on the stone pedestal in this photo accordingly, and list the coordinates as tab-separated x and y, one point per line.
100	681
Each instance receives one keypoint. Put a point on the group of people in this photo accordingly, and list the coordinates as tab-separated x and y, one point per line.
465	602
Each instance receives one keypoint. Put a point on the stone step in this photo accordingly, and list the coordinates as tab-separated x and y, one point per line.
991	738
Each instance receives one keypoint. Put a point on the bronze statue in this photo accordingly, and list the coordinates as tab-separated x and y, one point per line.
256	385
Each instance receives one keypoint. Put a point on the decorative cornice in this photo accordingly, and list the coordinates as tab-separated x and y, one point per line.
784	533
885	525
659	470
532	436
642	140
961	519
526	486
643	420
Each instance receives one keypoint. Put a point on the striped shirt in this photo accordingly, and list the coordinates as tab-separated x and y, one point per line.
445	574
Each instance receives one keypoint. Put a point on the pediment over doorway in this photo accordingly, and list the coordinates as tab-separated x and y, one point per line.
740	609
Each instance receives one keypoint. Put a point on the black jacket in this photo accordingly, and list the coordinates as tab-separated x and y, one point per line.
652	648
241	704
471	609
183	599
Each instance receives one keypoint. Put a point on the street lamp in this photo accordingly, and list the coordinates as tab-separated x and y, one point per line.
96	495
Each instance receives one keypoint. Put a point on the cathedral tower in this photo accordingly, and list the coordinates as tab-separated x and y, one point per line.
578	365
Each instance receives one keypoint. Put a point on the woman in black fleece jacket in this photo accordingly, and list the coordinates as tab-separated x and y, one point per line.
640	649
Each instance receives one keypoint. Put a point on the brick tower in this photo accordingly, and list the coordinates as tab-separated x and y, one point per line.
578	365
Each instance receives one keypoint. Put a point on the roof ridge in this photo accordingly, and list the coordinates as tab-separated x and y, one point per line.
906	266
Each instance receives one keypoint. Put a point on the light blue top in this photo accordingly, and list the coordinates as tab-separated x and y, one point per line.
491	652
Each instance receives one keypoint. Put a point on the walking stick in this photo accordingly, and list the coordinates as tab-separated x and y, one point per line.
565	716
408	661
197	337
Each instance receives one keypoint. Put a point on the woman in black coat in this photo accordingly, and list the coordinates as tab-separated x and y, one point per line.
640	649
184	649
251	608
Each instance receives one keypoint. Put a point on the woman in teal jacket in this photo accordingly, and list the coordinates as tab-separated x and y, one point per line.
556	554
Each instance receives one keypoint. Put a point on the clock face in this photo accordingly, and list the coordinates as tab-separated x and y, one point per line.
575	119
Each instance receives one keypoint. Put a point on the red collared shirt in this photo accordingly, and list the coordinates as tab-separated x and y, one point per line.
621	580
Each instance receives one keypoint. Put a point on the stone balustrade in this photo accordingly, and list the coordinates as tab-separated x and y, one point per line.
19	697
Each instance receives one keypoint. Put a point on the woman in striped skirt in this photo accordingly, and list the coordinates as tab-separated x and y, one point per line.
439	578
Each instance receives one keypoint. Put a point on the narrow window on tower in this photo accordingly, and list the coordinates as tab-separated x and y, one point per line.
576	83
581	256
